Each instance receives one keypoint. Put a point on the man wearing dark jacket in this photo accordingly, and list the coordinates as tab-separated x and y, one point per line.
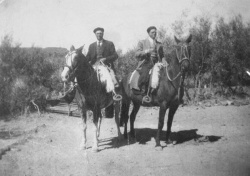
103	51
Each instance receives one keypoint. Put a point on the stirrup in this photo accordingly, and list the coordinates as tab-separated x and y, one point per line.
116	97
146	99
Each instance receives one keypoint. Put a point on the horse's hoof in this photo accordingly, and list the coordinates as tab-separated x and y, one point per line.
170	145
158	148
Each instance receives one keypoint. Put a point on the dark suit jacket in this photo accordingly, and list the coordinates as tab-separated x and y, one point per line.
109	53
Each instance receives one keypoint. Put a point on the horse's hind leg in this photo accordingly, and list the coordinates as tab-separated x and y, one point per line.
171	113
132	118
162	112
125	116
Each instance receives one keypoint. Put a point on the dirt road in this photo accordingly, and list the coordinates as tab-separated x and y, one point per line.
211	141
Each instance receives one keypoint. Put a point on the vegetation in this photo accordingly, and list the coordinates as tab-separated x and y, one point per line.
220	58
27	75
220	54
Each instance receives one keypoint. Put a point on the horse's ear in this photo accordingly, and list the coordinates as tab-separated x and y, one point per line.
72	48
176	40
80	49
189	39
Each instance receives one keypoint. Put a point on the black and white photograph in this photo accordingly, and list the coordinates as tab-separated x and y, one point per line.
124	88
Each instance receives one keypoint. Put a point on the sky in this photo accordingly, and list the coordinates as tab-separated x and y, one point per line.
62	23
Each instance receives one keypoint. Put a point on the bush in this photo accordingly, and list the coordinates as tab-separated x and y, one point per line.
26	75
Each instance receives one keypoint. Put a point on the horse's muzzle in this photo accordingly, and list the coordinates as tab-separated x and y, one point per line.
185	65
65	76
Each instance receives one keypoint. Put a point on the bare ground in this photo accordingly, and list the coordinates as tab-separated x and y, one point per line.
209	141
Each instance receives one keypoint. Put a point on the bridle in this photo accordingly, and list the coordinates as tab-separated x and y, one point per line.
72	71
184	51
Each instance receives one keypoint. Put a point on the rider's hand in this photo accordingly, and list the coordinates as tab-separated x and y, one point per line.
147	51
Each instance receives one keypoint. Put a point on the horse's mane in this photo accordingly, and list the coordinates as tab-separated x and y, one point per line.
83	60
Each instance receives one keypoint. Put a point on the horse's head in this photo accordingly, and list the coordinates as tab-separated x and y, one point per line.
73	61
183	52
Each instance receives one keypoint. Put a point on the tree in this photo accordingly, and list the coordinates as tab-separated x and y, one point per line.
23	73
201	51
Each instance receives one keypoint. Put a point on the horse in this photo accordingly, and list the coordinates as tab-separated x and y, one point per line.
91	93
168	94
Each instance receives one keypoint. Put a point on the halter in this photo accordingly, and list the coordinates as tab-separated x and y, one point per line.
183	52
72	71
183	49
69	54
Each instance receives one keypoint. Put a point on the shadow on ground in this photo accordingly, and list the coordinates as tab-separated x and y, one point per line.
144	135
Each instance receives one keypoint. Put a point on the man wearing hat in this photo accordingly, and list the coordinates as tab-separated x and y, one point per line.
149	51
103	51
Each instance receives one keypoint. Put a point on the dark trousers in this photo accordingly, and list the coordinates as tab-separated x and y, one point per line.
109	111
144	73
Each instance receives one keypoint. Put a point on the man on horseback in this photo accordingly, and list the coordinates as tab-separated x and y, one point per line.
103	52
149	52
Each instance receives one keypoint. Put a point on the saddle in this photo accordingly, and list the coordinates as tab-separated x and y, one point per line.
154	77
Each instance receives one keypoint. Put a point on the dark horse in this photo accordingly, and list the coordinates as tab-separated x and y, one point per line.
91	93
168	94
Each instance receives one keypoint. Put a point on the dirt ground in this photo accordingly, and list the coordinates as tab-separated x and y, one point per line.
209	141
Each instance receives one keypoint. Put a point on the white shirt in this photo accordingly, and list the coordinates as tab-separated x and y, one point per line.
99	42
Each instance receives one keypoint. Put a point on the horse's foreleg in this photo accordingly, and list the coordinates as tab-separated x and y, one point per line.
69	108
117	113
171	113
99	126
99	122
95	140
132	118
162	113
84	129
